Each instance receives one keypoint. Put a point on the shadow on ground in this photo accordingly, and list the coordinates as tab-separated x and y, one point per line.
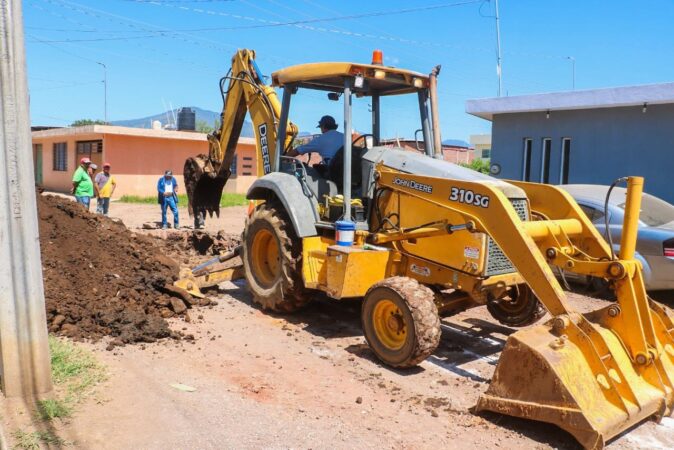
541	432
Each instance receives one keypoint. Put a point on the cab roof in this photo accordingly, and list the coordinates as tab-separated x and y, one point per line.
329	76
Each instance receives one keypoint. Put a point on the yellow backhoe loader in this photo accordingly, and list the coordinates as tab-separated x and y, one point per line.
433	238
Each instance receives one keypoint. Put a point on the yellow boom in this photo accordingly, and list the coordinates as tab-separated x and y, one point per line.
593	375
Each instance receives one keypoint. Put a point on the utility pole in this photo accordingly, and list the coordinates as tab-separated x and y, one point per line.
498	49
24	349
573	72
105	91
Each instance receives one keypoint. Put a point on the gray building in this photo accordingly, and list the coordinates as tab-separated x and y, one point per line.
592	136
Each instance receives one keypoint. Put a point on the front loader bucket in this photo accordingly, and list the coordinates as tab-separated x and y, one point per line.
576	373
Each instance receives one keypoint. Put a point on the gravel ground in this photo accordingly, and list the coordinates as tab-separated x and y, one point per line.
307	380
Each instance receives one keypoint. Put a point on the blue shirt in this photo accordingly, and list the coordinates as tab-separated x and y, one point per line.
161	188
325	144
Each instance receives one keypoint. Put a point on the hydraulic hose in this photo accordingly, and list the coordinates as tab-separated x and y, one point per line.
607	231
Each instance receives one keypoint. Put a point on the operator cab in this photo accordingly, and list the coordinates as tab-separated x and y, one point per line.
345	173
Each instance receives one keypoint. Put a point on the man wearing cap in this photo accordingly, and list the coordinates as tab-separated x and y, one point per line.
105	185
83	187
167	196
326	144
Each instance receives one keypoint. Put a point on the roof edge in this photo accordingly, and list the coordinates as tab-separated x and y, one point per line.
659	93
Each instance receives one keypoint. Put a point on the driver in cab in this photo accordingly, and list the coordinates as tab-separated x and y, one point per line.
326	144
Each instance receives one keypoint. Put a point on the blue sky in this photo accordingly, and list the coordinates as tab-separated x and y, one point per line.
161	52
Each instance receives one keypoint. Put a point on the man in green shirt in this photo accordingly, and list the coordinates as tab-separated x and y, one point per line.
83	187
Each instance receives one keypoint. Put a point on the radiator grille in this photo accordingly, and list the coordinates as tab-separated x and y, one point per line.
497	262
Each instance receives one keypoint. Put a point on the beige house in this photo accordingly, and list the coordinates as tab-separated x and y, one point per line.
138	156
482	145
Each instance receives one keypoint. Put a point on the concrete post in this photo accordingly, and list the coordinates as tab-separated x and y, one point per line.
24	350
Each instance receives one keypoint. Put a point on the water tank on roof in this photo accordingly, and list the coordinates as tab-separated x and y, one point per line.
186	119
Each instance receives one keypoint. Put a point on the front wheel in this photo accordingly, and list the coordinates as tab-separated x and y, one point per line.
400	321
271	255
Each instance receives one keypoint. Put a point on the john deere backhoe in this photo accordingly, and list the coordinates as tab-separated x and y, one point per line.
433	238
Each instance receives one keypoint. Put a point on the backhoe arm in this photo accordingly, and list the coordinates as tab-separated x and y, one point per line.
246	92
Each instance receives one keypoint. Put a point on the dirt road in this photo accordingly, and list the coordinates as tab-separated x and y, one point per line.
135	215
305	381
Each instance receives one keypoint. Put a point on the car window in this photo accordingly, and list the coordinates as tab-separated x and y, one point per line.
595	215
654	211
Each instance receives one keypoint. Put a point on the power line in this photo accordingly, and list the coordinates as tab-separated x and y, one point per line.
59	48
68	30
121	38
272	23
178	1
64	86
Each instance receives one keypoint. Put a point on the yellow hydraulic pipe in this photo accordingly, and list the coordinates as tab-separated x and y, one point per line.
381	238
542	229
628	242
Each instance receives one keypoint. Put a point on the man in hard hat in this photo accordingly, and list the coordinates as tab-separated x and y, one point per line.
326	144
167	196
105	185
83	187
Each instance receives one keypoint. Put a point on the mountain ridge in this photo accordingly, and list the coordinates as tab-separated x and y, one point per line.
202	115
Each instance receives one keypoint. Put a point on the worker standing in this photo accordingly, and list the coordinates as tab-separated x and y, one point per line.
83	187
327	144
167	196
105	184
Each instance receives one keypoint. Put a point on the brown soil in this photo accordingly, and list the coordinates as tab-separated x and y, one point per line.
103	280
198	243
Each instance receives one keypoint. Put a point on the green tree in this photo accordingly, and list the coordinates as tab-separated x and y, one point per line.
83	122
478	165
203	127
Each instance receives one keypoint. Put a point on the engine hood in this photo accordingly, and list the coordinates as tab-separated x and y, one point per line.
420	164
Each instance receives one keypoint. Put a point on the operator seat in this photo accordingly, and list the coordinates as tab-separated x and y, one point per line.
333	171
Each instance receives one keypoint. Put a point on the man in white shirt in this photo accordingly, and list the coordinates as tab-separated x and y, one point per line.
326	144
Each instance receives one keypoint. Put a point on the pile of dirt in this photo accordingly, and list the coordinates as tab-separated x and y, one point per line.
103	280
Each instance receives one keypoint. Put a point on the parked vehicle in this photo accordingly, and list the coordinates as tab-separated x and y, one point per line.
655	240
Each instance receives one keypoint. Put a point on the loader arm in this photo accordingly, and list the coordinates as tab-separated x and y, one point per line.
243	91
593	374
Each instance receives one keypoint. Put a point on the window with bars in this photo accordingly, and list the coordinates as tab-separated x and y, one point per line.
60	157
566	154
89	147
546	143
526	159
232	167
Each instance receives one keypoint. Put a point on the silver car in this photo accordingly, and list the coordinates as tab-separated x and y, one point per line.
655	239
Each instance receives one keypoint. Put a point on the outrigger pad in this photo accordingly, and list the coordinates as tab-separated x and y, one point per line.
580	379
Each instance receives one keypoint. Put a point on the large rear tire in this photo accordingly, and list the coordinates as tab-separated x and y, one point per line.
400	321
519	307
271	255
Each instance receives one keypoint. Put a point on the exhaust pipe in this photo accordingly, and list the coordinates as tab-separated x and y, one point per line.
433	88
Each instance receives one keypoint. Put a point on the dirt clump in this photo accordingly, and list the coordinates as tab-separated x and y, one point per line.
201	243
101	279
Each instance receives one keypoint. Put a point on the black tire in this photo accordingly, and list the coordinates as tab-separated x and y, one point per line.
519	307
600	287
274	279
413	330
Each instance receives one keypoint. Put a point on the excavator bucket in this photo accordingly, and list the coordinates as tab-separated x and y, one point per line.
580	377
204	185
596	374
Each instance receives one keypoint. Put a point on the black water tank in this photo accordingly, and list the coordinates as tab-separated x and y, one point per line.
186	119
